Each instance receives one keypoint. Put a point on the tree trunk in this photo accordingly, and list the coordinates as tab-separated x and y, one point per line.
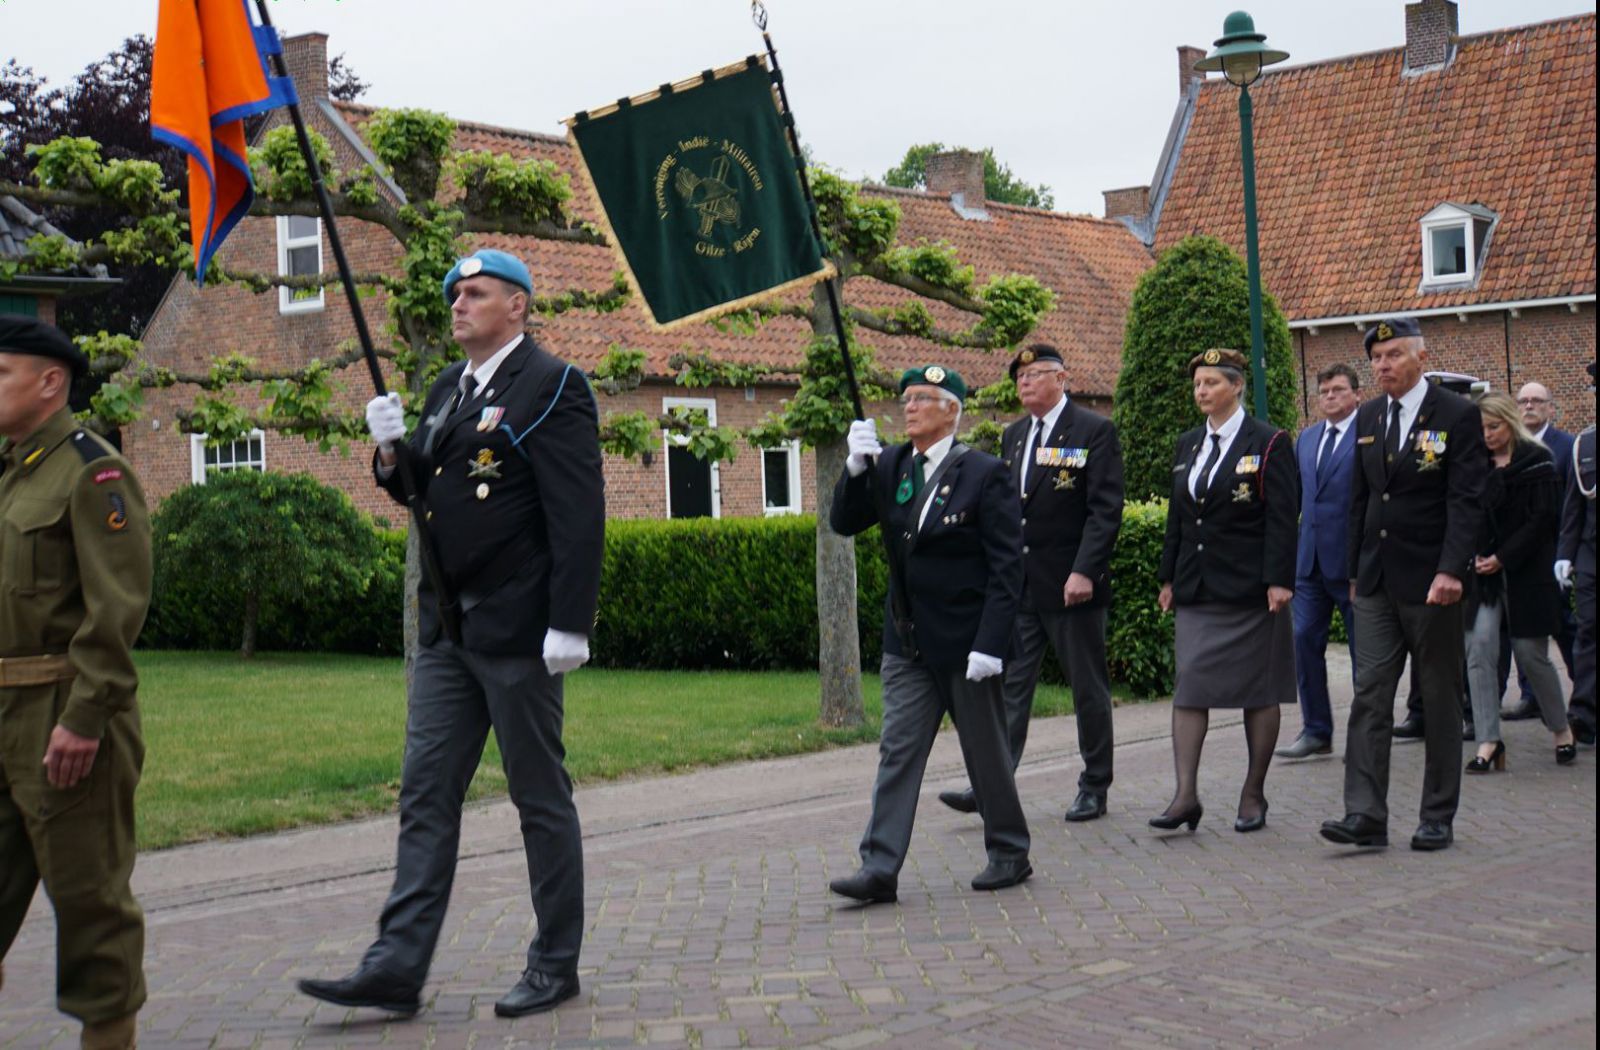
838	631
252	615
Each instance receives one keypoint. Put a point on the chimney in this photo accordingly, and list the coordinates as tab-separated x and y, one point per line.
1431	28
1187	57
960	174
306	55
1130	203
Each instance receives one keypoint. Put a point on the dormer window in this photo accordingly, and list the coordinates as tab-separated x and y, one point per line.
1455	238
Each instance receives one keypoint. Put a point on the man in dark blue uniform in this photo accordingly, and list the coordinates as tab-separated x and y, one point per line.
507	457
1415	510
952	518
1575	567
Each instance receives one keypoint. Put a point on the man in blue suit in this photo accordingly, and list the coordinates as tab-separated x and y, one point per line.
1322	576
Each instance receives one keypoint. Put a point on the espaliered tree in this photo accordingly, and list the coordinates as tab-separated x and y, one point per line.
450	195
1195	297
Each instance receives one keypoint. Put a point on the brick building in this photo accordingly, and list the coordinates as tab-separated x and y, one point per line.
1090	263
1451	178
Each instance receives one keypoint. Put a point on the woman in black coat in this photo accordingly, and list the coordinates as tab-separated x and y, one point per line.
1514	588
1227	568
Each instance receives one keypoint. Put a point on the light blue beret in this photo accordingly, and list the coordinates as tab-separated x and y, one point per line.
492	263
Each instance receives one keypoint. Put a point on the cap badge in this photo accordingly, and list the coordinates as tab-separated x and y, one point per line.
933	374
1026	357
471	267
1212	357
1385	333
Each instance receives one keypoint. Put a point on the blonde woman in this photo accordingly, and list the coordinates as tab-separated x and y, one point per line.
1515	591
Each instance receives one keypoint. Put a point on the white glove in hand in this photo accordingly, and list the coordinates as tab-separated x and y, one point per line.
565	651
386	420
982	665
1563	571
863	444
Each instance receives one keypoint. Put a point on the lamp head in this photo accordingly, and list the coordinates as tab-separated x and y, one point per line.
1241	52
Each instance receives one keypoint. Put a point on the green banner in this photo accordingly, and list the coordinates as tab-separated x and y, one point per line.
698	194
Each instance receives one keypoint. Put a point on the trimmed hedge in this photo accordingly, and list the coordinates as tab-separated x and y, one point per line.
737	593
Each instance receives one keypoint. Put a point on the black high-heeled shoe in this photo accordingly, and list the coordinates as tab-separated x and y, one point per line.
1255	823
1566	754
1190	816
1495	760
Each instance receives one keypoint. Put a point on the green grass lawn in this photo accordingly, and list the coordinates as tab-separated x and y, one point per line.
240	747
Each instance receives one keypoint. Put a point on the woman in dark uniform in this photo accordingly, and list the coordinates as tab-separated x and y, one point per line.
1228	569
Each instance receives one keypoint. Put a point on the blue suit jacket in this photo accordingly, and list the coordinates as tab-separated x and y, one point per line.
1559	442
1325	507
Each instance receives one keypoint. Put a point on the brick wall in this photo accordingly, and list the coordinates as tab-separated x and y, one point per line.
1549	345
1430	24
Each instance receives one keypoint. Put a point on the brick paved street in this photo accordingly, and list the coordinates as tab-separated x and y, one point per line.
710	923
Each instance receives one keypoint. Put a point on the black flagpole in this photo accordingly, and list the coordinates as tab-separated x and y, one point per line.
449	610
900	605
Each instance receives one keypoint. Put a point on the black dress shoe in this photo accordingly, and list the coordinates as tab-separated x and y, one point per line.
1432	835
1520	711
536	993
1305	746
1087	806
1356	830
1566	754
1255	823
369	987
960	801
866	887
1410	729
1002	873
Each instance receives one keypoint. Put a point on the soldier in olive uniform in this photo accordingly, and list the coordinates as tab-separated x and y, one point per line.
74	589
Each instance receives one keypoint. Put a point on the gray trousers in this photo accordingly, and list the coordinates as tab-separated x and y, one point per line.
1078	637
1485	686
456	697
915	699
1434	638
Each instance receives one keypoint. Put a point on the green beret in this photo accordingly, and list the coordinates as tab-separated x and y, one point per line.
935	375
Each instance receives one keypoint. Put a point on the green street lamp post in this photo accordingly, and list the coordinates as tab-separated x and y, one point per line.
1241	53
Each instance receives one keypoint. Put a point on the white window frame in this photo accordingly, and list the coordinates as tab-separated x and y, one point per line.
1447	216
670	439
793	458
287	303
197	456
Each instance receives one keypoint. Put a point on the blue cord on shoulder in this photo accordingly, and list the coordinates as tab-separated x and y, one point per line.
516	439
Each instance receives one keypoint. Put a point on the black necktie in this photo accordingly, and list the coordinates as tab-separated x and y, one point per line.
1329	436
1034	446
918	478
1202	484
1391	440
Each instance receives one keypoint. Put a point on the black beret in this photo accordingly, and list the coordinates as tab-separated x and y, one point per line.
29	335
1219	359
1391	328
1035	352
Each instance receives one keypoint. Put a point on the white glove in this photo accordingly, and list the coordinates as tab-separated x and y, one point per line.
863	444
1564	573
386	420
982	665
565	651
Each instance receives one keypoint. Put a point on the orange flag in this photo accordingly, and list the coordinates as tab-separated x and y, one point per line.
209	73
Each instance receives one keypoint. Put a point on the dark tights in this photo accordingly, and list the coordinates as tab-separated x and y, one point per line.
1189	726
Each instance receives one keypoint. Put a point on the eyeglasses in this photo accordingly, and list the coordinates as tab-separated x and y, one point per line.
1529	402
1037	373
919	399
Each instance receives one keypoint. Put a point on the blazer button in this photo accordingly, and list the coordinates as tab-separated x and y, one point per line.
1199	521
1199	546
908	535
1383	534
1024	521
1386	497
437	471
1024	548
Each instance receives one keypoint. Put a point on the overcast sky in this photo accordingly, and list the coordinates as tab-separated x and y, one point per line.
1075	94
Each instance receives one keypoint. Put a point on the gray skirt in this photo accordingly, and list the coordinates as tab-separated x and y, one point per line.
1234	656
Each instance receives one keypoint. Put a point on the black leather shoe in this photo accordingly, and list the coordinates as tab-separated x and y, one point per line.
1255	823
865	887
1087	806
1356	830
1520	711
1410	729
960	801
370	987
1432	835
1305	746
1002	873
536	993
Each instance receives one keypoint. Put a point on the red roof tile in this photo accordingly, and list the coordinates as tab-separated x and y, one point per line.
1350	154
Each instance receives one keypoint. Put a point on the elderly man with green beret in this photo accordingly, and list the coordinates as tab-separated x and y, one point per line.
74	590
954	527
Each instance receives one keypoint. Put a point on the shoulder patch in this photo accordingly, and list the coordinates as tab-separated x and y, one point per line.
109	474
89	446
